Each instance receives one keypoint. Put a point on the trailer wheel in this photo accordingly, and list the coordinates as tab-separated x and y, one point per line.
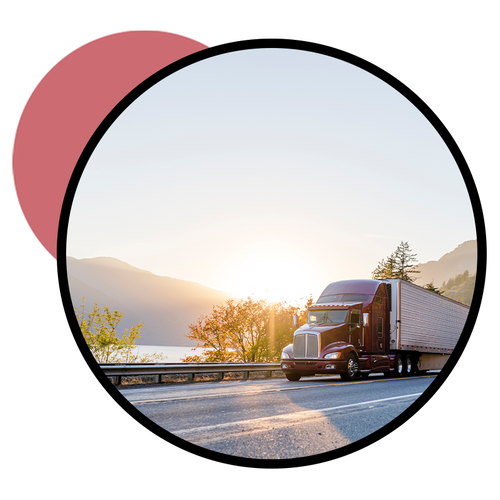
293	377
398	365
352	368
407	366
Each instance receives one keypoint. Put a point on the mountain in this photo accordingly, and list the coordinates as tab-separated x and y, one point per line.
166	305
460	288
463	258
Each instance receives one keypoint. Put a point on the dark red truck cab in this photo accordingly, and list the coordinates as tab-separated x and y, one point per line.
346	333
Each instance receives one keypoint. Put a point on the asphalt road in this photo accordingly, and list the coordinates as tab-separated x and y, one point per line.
275	418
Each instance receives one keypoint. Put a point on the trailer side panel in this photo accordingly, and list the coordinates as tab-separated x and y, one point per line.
428	322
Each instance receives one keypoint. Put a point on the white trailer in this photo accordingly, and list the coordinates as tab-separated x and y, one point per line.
424	322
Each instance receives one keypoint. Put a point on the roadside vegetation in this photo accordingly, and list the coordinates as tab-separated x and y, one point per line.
99	329
245	331
248	330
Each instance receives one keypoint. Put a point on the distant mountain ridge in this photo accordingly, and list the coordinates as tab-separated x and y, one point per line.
166	305
463	258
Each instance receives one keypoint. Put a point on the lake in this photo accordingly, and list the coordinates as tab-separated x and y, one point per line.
173	354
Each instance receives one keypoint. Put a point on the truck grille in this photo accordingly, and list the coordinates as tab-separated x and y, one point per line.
305	345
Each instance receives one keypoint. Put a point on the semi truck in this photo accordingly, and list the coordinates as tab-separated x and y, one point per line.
390	326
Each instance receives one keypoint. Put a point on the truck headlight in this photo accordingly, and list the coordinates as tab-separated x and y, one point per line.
284	355
332	355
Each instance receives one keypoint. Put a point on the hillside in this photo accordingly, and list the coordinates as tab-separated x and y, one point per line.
463	258
166	305
460	288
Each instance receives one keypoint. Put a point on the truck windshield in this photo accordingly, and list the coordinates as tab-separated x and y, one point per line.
327	316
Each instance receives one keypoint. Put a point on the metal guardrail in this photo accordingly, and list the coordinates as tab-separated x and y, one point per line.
118	370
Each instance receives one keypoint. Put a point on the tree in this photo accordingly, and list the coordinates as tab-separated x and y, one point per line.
301	313
212	332
460	288
235	331
99	329
386	268
405	262
400	264
246	331
252	341
281	326
430	286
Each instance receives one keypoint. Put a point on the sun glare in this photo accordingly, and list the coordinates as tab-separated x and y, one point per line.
271	276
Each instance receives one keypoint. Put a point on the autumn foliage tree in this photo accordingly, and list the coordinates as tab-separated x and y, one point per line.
213	332
246	331
99	329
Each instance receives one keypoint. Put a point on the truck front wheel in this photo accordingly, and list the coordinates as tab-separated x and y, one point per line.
293	377
352	368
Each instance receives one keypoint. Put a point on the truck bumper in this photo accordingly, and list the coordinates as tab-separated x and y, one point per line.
312	367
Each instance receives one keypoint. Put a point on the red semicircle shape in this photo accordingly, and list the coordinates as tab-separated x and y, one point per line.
64	107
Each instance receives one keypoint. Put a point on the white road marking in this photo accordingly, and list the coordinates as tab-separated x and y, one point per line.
207	433
261	391
223	394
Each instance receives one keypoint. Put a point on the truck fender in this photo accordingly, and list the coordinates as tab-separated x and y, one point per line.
288	350
344	347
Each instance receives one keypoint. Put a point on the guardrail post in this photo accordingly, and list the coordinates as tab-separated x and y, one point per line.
157	379
246	375
220	376
269	374
117	379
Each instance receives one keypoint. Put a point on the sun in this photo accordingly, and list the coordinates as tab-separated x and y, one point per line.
271	275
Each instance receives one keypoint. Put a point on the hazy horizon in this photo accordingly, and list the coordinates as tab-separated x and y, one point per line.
299	299
269	169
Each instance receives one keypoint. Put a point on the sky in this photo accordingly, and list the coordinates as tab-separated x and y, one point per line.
272	173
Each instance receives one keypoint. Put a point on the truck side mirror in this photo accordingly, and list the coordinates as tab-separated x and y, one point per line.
295	320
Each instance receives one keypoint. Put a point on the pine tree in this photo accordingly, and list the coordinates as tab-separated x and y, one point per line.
386	268
430	286
400	264
405	263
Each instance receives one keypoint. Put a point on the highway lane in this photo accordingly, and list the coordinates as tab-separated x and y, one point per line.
274	418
